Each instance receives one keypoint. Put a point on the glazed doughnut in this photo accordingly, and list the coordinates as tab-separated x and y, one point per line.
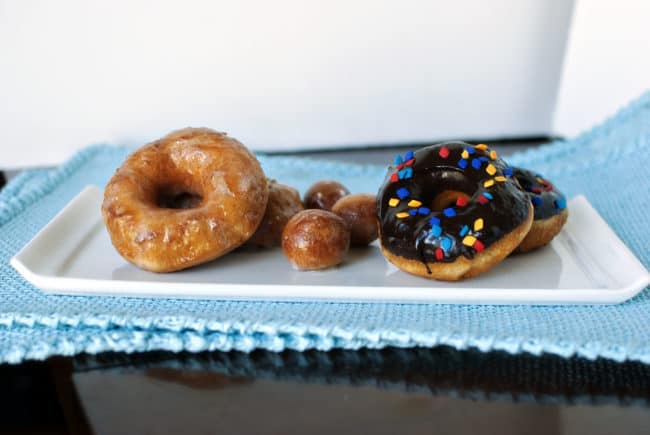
185	199
358	212
451	211
324	194
550	209
315	239
284	202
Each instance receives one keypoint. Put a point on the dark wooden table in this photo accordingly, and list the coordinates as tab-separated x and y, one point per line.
389	391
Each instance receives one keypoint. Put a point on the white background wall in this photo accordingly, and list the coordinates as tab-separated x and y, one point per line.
302	74
607	62
275	74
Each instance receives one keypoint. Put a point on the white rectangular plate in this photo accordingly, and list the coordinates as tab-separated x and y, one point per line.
585	264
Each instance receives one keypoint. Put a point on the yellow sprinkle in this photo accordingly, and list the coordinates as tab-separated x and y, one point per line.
414	203
488	183
491	169
478	224
500	178
464	154
493	154
402	215
481	146
539	180
393	202
469	240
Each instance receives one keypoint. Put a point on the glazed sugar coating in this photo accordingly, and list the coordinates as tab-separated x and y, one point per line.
324	194
358	211
284	202
315	239
185	199
451	201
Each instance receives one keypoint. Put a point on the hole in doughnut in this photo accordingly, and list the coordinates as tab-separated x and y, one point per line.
446	199
177	198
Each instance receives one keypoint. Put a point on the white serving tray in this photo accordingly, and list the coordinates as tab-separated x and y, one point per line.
585	264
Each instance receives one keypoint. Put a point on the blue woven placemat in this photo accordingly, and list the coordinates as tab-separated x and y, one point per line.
609	164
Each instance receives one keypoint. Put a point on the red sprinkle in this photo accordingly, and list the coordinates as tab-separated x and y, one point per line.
439	254
483	200
478	246
536	190
409	162
461	202
400	166
548	187
394	177
444	152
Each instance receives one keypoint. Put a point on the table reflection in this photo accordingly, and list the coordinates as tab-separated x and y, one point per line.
438	371
378	391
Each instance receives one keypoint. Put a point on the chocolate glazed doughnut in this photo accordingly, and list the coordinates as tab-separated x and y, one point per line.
451	211
550	209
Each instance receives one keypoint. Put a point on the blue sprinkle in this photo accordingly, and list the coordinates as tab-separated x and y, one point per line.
483	159
536	201
434	221
445	243
424	210
408	156
560	203
488	195
470	150
476	163
436	231
405	173
398	160
464	231
462	163
449	212
413	212
507	172
402	193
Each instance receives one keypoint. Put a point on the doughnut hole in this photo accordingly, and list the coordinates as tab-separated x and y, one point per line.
177	197
284	202
447	198
359	213
315	239
324	194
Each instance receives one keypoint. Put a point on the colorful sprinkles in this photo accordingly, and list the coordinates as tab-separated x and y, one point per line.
403	167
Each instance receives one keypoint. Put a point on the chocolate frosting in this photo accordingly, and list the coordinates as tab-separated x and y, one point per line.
491	203
546	199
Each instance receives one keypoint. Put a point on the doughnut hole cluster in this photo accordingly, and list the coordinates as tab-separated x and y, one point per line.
320	237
